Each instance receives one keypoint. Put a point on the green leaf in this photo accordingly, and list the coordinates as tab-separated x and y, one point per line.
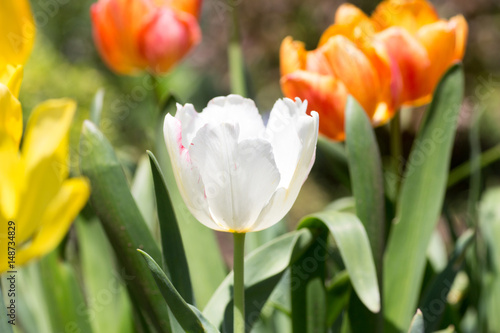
441	285
316	306
417	323
104	289
188	316
142	189
96	106
365	168
200	244
63	294
489	225
175	262
264	268
337	297
354	247
335	157
420	202
122	221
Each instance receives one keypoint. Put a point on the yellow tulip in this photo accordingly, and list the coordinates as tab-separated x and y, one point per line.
34	190
18	32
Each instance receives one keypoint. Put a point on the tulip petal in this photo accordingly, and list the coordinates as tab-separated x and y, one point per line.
191	121
11	182
324	94
439	39
45	152
18	32
412	60
350	65
186	174
188	6
286	121
235	109
239	177
461	31
11	120
292	56
283	199
348	13
116	25
12	77
56	220
408	14
167	38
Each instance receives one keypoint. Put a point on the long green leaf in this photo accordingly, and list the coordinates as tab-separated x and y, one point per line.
188	317
354	247
420	203
104	289
171	240
96	106
337	297
123	222
264	268
365	169
316	306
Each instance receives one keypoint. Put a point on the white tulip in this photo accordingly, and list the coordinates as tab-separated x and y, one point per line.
234	173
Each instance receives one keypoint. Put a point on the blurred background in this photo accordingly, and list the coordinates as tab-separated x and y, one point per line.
65	63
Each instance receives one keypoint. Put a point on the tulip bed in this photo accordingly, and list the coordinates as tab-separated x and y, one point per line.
193	229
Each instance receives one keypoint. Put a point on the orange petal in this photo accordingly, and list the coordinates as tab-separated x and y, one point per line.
408	14
350	22
348	14
188	6
351	66
115	27
412	61
461	31
167	38
292	56
439	39
324	94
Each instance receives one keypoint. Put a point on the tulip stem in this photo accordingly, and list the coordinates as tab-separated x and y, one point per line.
396	151
239	285
235	55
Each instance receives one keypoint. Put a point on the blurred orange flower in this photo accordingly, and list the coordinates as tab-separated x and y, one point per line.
153	35
393	58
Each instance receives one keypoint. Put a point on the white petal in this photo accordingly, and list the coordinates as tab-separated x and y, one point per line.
186	174
239	178
191	122
286	121
283	199
235	109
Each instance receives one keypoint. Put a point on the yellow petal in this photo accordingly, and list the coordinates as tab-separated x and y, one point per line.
57	219
12	76
18	31
11	182
348	14
292	56
11	120
45	152
408	14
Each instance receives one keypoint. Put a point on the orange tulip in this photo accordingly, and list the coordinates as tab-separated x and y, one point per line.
393	58
153	35
344	63
423	45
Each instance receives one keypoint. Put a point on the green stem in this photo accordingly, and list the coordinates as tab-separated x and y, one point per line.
464	170
396	150
239	285
235	55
